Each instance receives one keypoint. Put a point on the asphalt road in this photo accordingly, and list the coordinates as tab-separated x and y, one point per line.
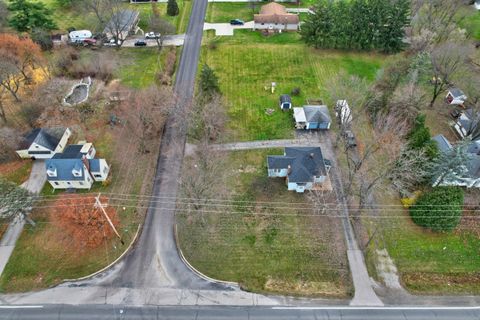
154	261
232	313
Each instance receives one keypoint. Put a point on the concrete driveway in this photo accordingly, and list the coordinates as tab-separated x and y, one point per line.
226	29
38	177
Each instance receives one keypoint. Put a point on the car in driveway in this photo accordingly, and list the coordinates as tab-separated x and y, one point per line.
237	22
140	43
111	43
152	35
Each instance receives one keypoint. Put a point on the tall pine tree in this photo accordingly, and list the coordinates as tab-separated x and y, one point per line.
172	8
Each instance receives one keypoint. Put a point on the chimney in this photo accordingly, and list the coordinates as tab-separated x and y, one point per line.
311	155
289	169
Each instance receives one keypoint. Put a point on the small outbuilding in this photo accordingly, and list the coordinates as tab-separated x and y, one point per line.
312	117
285	102
455	96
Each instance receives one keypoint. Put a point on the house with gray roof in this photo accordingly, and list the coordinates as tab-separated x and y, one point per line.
312	117
468	124
76	168
43	143
303	168
122	24
470	171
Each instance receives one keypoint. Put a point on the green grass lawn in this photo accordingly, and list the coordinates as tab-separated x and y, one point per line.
245	68
70	17
471	22
223	12
265	247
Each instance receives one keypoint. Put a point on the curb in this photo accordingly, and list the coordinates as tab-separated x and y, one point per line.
198	273
127	250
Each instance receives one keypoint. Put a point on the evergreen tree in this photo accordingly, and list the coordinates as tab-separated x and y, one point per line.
208	83
358	24
14	200
452	165
27	16
172	8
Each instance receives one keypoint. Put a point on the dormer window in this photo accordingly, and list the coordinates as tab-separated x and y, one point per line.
52	171
77	170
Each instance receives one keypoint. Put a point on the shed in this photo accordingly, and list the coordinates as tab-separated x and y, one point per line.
285	102
312	117
455	96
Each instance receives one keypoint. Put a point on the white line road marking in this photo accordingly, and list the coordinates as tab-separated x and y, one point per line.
376	308
20	307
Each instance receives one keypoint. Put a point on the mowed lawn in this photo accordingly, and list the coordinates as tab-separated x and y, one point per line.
223	12
264	237
246	70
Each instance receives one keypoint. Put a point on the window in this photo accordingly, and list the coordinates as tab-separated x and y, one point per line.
69	183
97	175
104	169
80	182
56	183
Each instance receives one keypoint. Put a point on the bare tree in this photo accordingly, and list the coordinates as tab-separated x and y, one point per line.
147	111
448	60
9	78
159	26
438	18
15	202
407	100
9	141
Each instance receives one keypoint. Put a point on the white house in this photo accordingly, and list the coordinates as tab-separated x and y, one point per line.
43	143
312	117
343	112
79	36
274	17
303	168
76	168
455	96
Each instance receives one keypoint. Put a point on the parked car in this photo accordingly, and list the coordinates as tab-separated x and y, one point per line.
152	35
350	139
89	42
237	22
140	43
111	43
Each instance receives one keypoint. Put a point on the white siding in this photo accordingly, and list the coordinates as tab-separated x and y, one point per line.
104	171
281	173
85	184
63	141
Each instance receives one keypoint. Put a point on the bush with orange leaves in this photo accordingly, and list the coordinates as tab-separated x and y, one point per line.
83	221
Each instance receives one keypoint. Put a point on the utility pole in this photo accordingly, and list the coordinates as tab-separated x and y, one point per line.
100	205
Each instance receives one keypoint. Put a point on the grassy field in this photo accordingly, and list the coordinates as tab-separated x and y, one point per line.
267	239
68	17
246	70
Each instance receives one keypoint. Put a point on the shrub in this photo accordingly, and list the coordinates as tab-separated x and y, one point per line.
439	210
296	92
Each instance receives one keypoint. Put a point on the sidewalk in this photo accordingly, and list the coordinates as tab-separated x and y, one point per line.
34	184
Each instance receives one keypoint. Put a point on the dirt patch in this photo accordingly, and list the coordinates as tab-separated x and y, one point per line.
325	289
432	283
6	168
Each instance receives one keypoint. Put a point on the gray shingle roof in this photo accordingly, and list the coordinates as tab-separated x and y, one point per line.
455	92
48	138
64	169
94	165
474	166
72	151
317	114
123	20
304	162
442	143
474	147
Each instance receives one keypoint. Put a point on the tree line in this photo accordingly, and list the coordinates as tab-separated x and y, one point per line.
358	24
